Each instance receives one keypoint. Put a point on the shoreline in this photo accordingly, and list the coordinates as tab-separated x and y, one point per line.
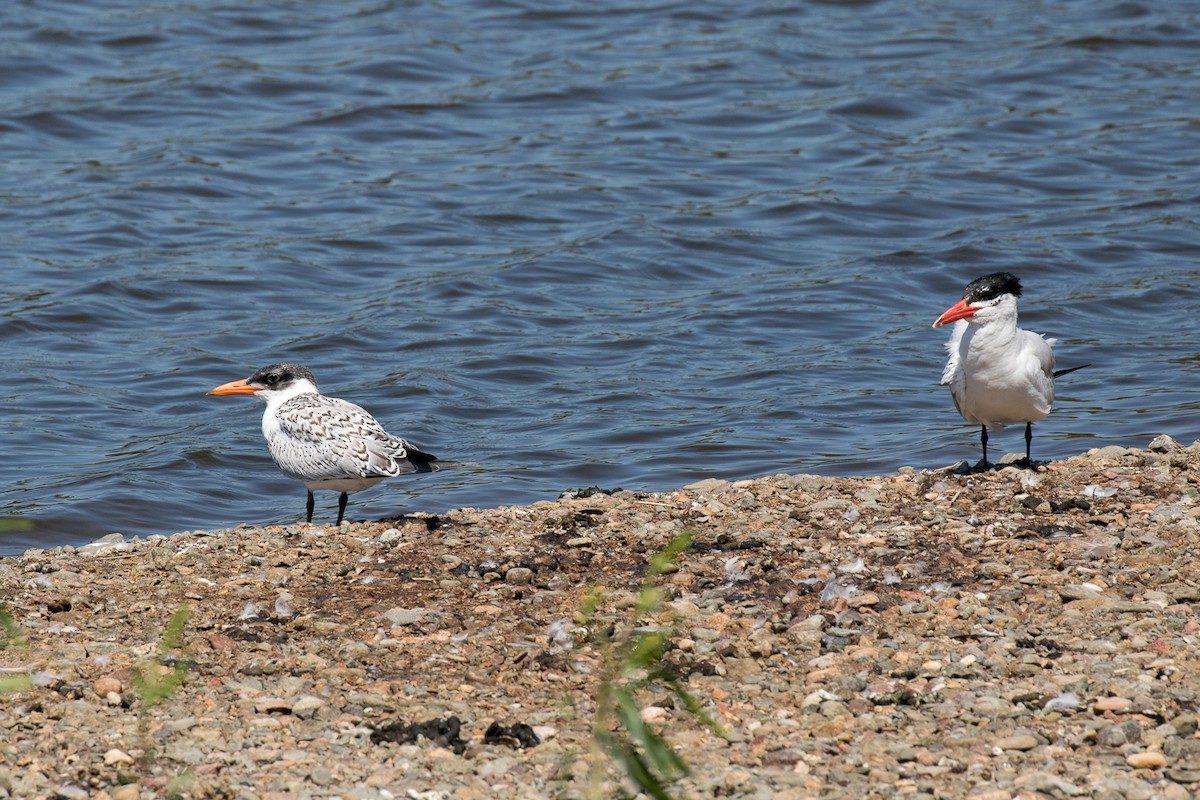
921	634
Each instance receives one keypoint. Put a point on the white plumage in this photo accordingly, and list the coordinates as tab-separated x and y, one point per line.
325	442
998	373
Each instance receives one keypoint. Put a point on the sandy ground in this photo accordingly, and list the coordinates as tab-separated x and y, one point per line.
1015	633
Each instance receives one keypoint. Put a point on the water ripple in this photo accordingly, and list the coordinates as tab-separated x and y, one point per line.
632	245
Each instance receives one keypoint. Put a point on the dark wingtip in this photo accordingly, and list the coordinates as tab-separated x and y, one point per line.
1058	373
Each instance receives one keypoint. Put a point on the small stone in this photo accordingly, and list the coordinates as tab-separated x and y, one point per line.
1117	705
283	606
307	706
1146	760
106	685
990	794
994	569
1017	741
115	756
496	769
1078	591
272	705
1164	444
390	536
863	600
128	791
813	622
1127	787
1046	784
1119	735
400	617
1167	513
113	542
707	485
654	714
1186	724
1183	775
519	576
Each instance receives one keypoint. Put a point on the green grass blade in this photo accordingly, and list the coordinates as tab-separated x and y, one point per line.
13	637
634	767
645	651
661	756
15	683
152	685
173	633
666	557
690	703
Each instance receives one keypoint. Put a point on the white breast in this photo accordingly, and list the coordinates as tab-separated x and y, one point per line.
999	376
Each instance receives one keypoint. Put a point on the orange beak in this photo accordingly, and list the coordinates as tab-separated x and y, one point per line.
959	310
234	387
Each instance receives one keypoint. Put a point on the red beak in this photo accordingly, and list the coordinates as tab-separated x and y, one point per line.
959	310
234	387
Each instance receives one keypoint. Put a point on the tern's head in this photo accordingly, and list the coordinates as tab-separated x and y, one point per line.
277	380
990	297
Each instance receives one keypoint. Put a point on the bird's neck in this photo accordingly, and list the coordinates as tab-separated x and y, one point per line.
277	397
983	339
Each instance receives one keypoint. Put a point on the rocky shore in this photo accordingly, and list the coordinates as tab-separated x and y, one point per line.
1014	633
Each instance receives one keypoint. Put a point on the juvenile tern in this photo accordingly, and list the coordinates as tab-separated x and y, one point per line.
998	373
325	442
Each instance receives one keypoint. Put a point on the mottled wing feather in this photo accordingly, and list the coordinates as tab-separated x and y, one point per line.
327	438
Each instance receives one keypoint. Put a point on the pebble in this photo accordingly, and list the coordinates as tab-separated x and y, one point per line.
401	617
1117	705
1120	734
1020	741
519	576
1164	444
114	757
1079	591
1033	627
307	707
1146	760
1047	784
272	705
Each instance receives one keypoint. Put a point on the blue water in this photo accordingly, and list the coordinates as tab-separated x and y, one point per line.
580	243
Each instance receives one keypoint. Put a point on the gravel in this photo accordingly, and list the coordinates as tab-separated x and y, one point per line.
936	634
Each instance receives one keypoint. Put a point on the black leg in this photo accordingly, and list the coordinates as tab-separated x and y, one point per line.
1028	441
310	507
983	440
342	507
